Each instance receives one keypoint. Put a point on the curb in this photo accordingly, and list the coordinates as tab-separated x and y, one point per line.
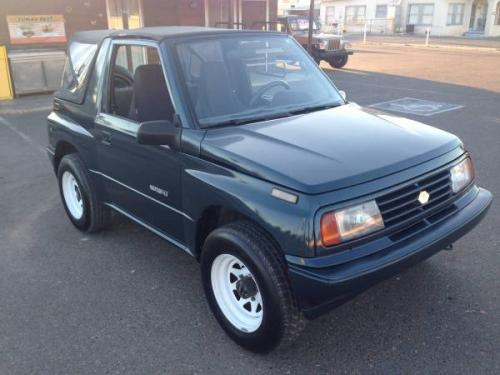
435	46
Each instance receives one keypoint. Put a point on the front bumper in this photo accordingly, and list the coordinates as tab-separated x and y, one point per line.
323	287
326	55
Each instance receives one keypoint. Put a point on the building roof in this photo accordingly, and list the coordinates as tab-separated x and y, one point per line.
154	33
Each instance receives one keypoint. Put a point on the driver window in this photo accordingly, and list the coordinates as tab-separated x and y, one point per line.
138	90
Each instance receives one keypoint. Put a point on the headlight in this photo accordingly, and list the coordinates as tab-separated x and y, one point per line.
461	175
347	45
323	44
349	223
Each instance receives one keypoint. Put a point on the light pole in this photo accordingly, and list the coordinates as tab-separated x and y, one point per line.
311	20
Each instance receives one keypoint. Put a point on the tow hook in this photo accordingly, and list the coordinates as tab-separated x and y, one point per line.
449	247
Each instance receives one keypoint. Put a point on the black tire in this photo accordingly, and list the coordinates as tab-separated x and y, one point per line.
282	320
316	58
95	215
339	61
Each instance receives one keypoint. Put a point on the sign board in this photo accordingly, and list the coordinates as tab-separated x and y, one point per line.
414	106
36	29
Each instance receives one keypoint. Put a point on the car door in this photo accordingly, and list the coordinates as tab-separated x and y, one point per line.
141	181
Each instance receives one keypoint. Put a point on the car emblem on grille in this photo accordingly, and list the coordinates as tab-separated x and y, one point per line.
423	197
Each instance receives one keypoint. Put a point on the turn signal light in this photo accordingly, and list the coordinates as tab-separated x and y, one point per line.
329	230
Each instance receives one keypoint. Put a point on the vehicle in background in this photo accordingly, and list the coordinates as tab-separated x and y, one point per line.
331	48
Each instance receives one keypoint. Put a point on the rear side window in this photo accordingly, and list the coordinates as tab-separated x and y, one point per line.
77	68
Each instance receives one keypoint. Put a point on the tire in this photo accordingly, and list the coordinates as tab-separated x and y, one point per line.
339	61
280	319
79	196
316	58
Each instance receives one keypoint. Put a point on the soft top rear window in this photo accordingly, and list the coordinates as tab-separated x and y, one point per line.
78	62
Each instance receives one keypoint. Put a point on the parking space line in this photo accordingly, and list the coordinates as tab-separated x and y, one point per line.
14	111
415	106
24	136
390	87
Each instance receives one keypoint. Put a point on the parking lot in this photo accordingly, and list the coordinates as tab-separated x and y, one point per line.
124	301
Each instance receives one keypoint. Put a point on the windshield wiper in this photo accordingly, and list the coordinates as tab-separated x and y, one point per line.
313	108
272	116
248	120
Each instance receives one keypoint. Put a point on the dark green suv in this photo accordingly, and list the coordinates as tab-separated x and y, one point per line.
235	147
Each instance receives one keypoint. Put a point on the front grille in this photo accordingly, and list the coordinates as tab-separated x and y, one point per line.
333	44
401	208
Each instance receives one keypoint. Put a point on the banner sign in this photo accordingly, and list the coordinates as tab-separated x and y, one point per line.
37	29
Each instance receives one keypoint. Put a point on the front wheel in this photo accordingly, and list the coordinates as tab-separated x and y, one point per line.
246	284
338	61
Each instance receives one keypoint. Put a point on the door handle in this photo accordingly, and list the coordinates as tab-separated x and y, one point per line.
106	138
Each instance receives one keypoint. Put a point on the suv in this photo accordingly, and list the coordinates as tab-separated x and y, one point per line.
333	49
236	148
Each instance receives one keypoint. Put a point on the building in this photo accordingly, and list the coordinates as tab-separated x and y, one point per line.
35	32
352	15
453	17
442	17
297	7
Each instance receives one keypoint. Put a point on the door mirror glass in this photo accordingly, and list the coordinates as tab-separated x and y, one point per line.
160	132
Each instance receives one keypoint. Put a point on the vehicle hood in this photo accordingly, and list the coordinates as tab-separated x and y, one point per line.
326	150
323	36
317	37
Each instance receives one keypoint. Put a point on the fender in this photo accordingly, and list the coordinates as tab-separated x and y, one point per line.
208	185
61	129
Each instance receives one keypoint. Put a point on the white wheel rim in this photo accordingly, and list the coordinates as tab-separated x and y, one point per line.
72	195
237	293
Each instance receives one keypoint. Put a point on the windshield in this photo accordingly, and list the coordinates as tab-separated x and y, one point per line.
302	24
238	79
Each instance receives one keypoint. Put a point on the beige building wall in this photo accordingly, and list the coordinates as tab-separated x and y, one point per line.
485	14
439	24
336	11
284	5
493	19
333	16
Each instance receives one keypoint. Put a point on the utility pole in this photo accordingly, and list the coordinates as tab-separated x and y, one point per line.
311	21
231	15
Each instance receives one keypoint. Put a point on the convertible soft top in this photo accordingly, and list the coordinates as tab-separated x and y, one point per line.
154	33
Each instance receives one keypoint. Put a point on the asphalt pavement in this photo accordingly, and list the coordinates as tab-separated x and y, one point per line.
124	301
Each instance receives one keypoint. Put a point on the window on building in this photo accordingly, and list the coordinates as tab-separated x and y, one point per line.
497	17
456	14
355	14
381	11
124	14
421	14
330	15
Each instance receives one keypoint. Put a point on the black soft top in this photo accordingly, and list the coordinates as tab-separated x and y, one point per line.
154	33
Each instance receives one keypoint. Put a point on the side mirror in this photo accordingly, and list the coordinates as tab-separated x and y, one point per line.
159	132
343	94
